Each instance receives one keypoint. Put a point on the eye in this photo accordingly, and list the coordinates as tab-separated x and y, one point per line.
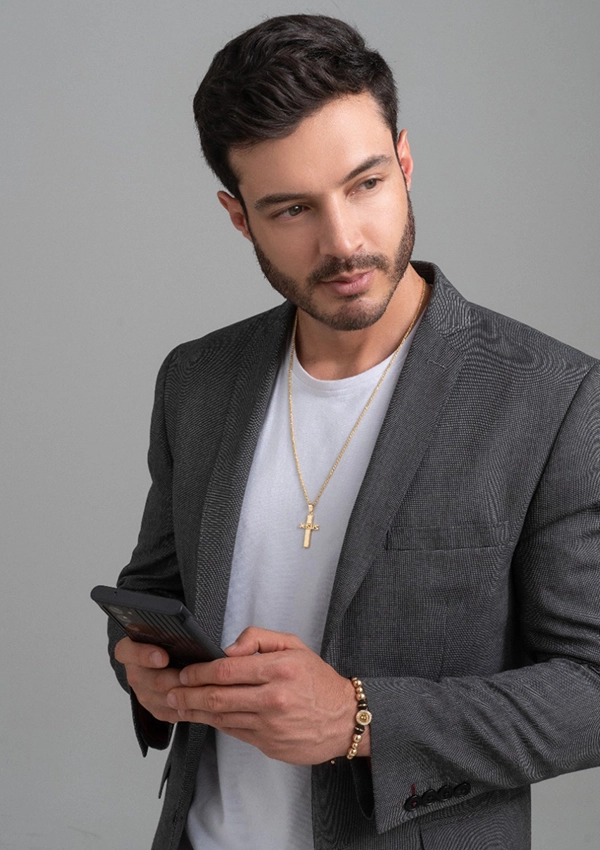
291	212
371	183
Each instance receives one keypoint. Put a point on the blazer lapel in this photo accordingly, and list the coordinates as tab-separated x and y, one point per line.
431	368
225	493
427	377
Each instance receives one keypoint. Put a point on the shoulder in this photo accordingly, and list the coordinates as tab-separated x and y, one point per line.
499	347
236	337
225	347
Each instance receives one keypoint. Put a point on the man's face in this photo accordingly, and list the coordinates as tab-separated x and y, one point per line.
328	212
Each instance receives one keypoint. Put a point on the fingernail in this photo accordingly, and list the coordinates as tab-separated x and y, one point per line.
183	677
172	700
156	658
231	646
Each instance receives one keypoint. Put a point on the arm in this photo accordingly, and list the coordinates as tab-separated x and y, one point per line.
519	726
153	566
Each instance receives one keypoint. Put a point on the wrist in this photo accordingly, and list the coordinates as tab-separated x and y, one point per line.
361	737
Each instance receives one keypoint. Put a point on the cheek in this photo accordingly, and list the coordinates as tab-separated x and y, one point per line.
383	238
382	226
291	253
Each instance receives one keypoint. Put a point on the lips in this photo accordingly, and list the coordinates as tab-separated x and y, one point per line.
348	285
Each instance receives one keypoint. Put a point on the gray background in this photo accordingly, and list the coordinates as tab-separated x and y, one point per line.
115	249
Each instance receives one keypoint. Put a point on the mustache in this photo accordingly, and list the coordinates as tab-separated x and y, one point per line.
359	262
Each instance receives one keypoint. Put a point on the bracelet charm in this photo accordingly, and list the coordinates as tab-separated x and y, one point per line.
362	718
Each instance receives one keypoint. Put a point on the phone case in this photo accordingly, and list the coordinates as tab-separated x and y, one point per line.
160	620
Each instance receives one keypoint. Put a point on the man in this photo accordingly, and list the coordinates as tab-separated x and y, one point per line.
376	479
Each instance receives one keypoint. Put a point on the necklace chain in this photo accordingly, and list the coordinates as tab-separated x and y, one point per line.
309	525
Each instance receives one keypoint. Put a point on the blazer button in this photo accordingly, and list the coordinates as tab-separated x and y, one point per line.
462	790
430	796
412	803
446	792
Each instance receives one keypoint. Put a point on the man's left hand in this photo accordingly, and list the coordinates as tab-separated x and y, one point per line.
275	693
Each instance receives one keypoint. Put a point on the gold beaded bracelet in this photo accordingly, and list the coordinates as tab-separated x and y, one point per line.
362	718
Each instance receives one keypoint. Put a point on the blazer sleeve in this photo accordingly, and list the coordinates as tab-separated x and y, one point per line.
467	736
153	567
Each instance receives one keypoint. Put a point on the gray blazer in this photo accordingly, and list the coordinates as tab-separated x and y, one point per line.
467	594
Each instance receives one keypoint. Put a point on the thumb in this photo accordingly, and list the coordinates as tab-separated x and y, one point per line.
254	640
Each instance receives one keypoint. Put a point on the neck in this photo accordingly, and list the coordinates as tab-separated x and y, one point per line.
329	354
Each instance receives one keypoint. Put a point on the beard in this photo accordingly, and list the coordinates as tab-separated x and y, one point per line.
352	315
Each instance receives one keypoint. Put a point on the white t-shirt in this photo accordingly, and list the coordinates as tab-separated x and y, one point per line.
243	798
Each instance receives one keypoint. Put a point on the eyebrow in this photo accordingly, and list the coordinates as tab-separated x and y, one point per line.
286	197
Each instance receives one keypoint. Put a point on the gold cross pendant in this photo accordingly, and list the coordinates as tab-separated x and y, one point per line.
309	526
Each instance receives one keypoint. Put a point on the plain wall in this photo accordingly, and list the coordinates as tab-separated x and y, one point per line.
115	249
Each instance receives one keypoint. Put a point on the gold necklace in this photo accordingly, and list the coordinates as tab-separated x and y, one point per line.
309	526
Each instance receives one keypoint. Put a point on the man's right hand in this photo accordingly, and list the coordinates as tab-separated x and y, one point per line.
149	676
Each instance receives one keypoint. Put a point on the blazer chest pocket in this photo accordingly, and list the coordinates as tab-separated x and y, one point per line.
446	589
438	596
448	537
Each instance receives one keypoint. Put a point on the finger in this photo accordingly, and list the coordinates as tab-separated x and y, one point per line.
142	679
254	640
161	711
247	670
128	651
225	722
151	688
228	700
217	721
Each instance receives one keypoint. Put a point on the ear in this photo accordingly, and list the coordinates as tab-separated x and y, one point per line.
404	157
236	213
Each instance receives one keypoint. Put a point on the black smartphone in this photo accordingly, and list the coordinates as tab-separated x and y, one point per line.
160	620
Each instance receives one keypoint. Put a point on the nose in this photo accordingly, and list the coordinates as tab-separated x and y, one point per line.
339	231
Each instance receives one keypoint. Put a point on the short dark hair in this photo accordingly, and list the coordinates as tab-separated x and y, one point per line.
264	82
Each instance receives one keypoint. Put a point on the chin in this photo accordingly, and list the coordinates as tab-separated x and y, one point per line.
351	317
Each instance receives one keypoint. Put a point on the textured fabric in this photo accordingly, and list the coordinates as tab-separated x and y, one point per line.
467	593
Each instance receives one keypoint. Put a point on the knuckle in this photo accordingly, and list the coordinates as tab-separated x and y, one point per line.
251	634
286	669
182	699
278	701
214	702
223	670
191	673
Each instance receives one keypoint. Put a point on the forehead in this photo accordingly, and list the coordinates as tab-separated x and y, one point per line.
321	151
